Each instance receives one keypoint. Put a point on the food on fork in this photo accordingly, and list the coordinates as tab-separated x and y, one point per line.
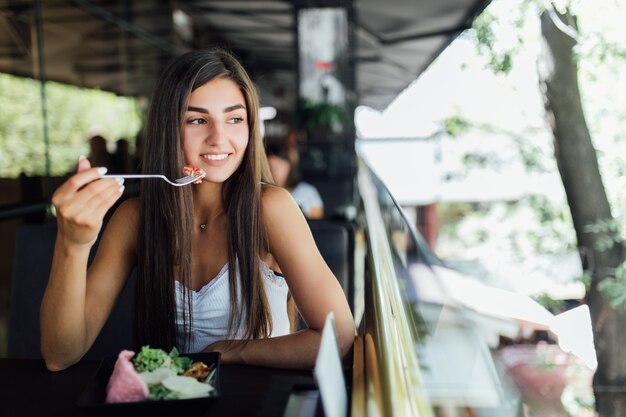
191	169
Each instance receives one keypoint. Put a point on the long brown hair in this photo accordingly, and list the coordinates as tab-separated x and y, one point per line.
166	212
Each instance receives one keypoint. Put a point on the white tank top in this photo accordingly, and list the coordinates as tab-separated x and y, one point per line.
211	309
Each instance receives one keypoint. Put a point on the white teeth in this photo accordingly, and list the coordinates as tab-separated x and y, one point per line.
216	157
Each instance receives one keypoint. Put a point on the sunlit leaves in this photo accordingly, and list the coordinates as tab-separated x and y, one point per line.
609	231
613	288
73	115
509	28
499	61
456	125
488	29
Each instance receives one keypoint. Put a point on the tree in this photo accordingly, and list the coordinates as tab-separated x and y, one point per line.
578	166
597	230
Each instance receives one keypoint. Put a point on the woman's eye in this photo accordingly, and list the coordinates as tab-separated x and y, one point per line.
197	121
235	119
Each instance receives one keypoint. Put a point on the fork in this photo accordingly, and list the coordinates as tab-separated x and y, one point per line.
179	182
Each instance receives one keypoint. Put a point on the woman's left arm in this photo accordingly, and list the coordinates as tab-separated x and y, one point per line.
313	286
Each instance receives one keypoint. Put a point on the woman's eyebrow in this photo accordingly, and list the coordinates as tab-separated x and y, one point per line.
226	110
235	107
197	109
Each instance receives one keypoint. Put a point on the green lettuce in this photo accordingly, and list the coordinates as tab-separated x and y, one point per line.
149	359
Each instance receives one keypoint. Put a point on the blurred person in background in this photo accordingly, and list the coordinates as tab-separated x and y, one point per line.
121	162
285	175
98	153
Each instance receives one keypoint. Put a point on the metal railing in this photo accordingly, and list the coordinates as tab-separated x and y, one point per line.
391	382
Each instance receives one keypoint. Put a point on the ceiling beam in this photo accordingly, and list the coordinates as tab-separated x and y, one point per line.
129	27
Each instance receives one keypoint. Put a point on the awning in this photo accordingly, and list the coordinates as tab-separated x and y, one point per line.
121	46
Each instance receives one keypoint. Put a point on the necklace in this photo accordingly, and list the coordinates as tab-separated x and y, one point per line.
203	225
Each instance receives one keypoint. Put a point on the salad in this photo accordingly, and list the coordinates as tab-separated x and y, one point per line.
154	374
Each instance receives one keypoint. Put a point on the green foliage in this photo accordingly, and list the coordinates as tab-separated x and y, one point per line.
500	62
602	60
474	161
483	31
477	160
456	125
610	232
73	114
586	278
552	305
533	157
451	215
321	114
613	288
534	225
599	48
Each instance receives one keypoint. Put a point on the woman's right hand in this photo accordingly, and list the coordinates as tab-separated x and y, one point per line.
81	203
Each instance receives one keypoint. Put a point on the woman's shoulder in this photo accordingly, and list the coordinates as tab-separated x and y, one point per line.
121	229
127	213
277	203
272	195
129	207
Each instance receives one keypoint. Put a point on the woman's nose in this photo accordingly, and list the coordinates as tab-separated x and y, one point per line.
216	133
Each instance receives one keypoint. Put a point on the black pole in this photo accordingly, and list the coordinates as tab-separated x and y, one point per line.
42	89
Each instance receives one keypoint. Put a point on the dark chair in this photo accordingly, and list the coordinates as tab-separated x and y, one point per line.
33	257
335	240
336	193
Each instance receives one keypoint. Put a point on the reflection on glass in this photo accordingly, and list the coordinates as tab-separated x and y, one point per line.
477	356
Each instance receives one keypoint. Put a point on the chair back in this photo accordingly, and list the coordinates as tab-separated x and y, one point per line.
33	257
335	241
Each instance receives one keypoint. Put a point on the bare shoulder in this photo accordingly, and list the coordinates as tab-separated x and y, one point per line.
124	222
128	212
286	227
117	249
277	204
274	195
129	207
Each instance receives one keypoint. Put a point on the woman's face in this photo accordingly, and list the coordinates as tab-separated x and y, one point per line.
216	131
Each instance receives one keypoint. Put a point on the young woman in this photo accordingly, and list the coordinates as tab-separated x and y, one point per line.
215	260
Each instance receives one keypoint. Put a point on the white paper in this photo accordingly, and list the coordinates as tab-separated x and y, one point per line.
329	373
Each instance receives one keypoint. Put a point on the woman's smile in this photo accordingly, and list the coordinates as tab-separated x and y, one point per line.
215	157
215	160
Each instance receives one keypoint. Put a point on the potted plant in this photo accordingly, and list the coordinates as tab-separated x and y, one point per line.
322	121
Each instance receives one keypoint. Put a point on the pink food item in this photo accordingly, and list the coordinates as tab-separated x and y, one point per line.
190	169
125	384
